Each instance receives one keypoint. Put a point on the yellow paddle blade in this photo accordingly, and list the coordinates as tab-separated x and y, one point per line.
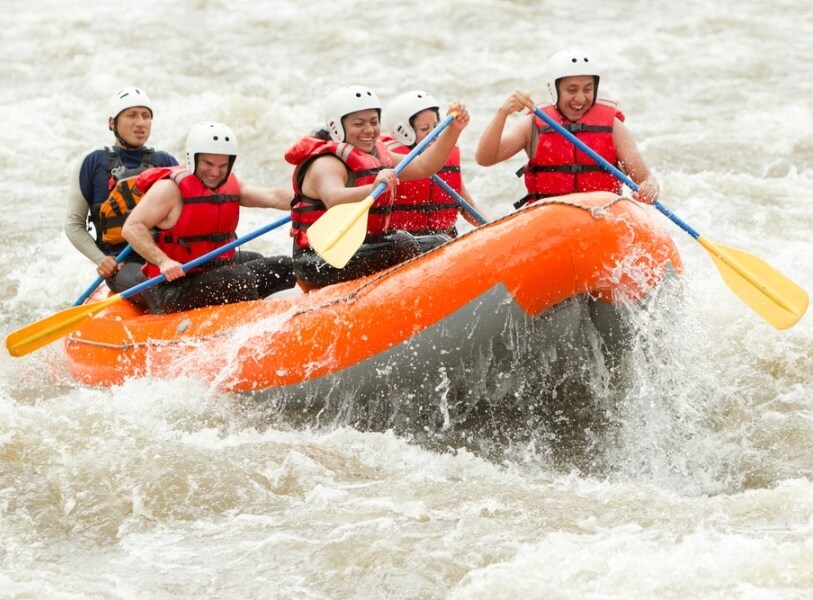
337	234
45	331
770	294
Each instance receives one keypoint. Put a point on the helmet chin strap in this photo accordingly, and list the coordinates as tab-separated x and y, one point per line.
232	159
596	80
122	142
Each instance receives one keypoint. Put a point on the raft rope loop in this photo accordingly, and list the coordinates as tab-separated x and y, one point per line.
597	212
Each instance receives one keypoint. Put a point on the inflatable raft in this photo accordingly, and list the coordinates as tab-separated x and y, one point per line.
427	336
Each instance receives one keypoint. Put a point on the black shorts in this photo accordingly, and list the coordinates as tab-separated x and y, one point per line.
375	254
252	280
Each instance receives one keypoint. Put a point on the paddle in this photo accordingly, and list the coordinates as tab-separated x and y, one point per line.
768	292
45	331
337	234
86	294
460	200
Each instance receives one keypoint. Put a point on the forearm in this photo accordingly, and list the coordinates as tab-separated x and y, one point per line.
488	147
266	197
472	218
433	158
638	171
75	225
648	187
347	195
140	238
629	157
464	193
644	176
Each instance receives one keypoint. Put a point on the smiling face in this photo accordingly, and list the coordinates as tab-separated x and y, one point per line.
133	126
576	95
423	123
362	128
212	169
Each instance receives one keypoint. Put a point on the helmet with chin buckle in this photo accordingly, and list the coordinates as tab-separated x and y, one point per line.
208	137
128	97
399	113
342	102
571	62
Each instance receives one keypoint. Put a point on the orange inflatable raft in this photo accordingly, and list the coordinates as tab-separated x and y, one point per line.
503	294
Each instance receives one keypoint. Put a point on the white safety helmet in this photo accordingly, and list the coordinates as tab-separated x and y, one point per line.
571	62
400	111
346	100
210	138
125	98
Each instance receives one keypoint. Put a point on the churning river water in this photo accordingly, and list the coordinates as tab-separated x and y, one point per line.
170	489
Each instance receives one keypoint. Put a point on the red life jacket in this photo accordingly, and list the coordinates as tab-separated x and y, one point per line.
558	167
207	221
421	206
362	168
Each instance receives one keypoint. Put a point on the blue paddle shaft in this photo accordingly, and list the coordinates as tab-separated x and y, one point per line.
98	281
137	289
612	169
415	152
460	200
